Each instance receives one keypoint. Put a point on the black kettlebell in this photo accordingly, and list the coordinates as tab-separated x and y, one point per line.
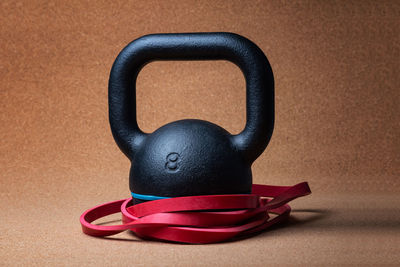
191	157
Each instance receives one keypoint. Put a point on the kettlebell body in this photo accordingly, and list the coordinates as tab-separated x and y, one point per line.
191	157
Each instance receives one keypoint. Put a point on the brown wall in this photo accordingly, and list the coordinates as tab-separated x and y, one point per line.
336	65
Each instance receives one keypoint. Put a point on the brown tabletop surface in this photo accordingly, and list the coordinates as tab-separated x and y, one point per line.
43	229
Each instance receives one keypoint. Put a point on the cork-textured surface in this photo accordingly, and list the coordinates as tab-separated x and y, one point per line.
336	67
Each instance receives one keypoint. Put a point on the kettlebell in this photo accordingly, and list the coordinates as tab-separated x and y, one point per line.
191	157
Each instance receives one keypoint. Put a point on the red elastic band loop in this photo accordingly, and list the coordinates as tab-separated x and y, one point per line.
197	219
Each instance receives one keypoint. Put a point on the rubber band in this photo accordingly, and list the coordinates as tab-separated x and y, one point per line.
198	219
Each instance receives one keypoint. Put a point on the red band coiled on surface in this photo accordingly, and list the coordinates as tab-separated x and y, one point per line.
198	219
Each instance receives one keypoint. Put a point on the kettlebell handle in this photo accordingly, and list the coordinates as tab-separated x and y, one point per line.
193	46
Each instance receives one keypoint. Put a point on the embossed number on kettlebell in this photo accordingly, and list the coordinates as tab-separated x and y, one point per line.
172	162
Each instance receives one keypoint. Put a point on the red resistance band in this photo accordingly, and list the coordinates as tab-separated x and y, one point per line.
198	219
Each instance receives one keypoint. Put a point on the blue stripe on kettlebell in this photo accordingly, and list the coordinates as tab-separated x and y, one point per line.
146	197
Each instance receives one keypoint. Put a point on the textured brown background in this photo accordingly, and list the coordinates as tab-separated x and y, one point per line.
336	67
